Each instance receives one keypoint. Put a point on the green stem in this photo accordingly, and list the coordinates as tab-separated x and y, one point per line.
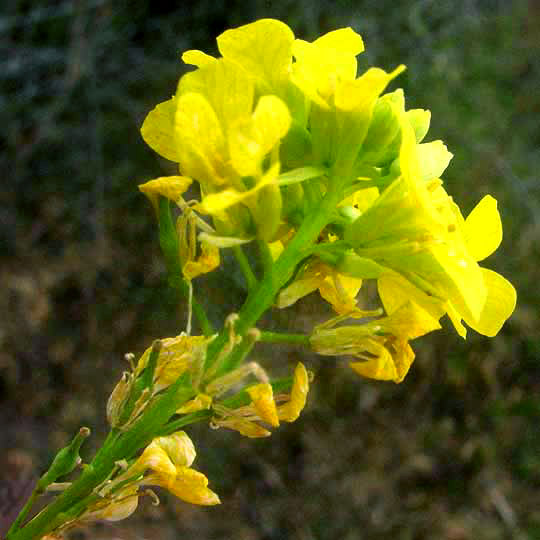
243	262
120	445
266	256
24	512
282	270
293	339
116	447
186	420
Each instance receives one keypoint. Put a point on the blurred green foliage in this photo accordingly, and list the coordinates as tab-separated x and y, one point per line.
453	452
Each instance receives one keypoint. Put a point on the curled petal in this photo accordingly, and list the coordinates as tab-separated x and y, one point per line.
291	410
244	427
170	187
191	486
199	403
153	458
263	402
178	447
385	366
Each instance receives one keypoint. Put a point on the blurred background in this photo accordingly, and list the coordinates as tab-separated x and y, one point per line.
451	453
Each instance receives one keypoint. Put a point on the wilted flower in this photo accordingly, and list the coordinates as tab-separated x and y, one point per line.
382	344
265	407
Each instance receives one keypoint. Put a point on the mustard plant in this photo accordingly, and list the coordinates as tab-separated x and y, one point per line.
280	144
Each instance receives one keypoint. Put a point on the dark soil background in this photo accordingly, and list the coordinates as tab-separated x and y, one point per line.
451	453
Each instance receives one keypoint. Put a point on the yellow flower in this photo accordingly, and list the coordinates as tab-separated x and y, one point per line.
482	232
169	460
414	229
120	506
382	344
263	407
222	136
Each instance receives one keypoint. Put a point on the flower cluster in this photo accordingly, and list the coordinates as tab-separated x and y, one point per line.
281	143
165	462
273	126
168	459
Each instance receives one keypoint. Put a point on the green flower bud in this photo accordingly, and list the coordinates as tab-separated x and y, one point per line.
65	461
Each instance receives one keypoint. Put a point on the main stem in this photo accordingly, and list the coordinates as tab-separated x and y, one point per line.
119	446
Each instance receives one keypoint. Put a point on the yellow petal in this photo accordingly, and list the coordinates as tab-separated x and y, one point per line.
199	403
207	261
410	321
225	85
154	458
216	203
296	290
158	130
262	48
395	291
343	41
178	447
243	426
483	229
321	65
434	157
380	367
191	486
197	58
362	93
291	410
272	120
340	291
250	139
262	397
276	249
200	139
170	187
386	367
499	305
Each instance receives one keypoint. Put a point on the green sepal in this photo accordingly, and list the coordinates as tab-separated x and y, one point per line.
353	265
299	175
419	120
267	215
64	462
147	375
382	131
295	147
168	238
